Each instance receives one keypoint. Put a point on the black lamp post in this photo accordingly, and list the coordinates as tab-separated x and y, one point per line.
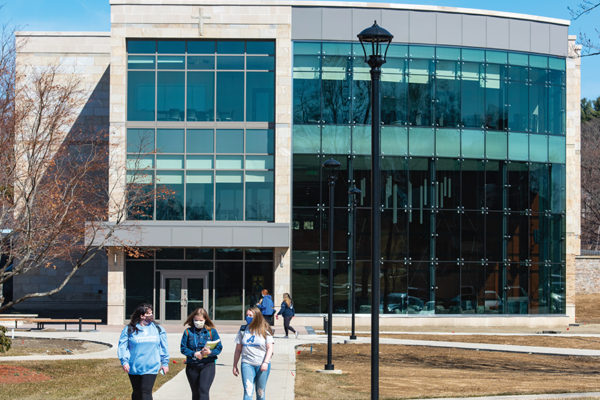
379	40
354	192
330	165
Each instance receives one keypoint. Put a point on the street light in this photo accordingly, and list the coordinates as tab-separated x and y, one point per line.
354	192
378	38
330	165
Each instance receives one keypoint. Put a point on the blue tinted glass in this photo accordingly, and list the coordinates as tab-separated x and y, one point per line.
169	205
447	143
171	46
538	148
201	62
229	196
420	142
140	62
230	96
171	62
361	139
472	144
140	140
260	47
260	96
496	145
260	141
199	196
141	46
199	141
307	48
336	139
200	47
421	51
267	63
200	96
169	140
230	62
307	139
394	141
556	149
538	61
518	146
230	47
447	53
473	55
496	57
140	96
518	59
230	141
556	110
170	96
518	106
538	108
259	196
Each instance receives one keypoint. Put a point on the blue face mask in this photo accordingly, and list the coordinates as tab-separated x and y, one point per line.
248	320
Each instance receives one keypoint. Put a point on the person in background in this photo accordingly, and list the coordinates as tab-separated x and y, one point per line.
143	351
265	305
287	312
254	343
196	344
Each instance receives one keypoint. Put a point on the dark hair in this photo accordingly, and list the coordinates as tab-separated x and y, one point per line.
199	311
136	317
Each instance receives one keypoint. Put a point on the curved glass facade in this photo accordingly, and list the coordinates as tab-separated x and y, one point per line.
473	173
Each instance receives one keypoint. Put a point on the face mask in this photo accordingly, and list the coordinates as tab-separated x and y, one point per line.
199	324
149	319
248	320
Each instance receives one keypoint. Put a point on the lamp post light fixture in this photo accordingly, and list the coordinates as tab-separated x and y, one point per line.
379	40
354	192
331	166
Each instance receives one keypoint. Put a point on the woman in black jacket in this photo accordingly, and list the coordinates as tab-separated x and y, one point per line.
287	311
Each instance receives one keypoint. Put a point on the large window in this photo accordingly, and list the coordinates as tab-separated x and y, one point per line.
200	132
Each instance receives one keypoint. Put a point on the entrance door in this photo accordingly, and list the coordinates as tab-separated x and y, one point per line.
181	292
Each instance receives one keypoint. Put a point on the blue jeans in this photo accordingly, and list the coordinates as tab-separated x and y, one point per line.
253	377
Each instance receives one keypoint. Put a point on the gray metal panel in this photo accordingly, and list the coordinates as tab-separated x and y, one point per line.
247	237
277	237
474	31
157	236
520	35
397	23
559	40
218	237
337	24
449	29
497	33
540	37
188	236
422	27
363	18
306	23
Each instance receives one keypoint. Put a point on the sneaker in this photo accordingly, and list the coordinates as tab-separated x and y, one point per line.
296	334
286	337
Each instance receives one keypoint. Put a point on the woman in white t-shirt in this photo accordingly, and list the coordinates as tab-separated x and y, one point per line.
254	342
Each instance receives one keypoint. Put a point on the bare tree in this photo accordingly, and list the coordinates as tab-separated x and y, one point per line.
54	186
590	190
590	44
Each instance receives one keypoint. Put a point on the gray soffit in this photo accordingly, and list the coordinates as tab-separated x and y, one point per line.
195	234
433	28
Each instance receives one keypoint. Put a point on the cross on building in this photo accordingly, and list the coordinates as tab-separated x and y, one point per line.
200	19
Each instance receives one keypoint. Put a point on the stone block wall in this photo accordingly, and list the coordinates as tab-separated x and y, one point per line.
587	278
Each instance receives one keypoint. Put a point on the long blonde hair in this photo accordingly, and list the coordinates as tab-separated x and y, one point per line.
288	299
259	325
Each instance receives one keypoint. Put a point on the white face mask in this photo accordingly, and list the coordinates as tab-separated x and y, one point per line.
199	324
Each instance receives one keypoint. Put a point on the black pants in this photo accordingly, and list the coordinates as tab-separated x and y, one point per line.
200	377
142	386
286	325
269	319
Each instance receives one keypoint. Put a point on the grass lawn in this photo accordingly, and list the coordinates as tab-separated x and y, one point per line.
70	379
415	371
24	346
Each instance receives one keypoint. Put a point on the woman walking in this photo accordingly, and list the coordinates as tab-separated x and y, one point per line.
201	345
143	352
287	312
254	342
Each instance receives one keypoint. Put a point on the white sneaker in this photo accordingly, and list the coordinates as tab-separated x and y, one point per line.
296	334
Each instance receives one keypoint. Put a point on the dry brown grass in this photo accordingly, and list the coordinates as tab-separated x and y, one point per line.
22	346
587	308
415	371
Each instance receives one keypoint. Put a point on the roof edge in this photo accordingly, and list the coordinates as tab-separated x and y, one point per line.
62	33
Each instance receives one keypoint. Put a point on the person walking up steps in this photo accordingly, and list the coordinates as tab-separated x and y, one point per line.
201	345
254	343
287	312
143	351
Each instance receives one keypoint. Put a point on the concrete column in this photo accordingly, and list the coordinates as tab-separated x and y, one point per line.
115	296
573	165
282	269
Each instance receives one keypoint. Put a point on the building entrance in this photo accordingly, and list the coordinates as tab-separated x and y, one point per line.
181	292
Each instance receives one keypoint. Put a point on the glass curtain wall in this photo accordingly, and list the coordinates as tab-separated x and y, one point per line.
236	277
200	137
473	179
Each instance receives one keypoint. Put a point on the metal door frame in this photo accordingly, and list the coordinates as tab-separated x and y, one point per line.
184	275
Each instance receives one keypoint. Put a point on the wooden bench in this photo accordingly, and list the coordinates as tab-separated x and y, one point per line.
80	321
16	318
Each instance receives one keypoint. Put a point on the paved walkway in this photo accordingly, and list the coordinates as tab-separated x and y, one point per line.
281	381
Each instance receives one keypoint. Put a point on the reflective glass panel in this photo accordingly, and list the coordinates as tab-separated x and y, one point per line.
260	47
556	149
260	99
230	62
260	141
171	46
538	108
199	162
169	199
421	142
140	140
140	62
228	290
201	62
230	141
141	46
229	196
496	145
259	196
199	195
199	141
200	96
169	162
518	146
447	143
538	148
200	47
306	139
336	139
230	96
171	62
169	140
261	63
230	47
170	96
140	95
394	141
472	144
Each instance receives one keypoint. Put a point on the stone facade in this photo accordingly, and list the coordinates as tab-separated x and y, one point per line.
587	278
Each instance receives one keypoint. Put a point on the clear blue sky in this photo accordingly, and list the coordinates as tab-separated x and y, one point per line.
94	15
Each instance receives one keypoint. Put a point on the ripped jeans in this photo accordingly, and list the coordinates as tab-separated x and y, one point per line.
253	377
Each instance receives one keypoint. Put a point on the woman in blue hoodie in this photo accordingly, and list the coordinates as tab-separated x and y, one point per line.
201	345
143	351
265	305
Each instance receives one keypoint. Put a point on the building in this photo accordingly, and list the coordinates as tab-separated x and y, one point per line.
232	108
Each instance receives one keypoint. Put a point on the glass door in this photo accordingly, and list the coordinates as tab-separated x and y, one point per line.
181	292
